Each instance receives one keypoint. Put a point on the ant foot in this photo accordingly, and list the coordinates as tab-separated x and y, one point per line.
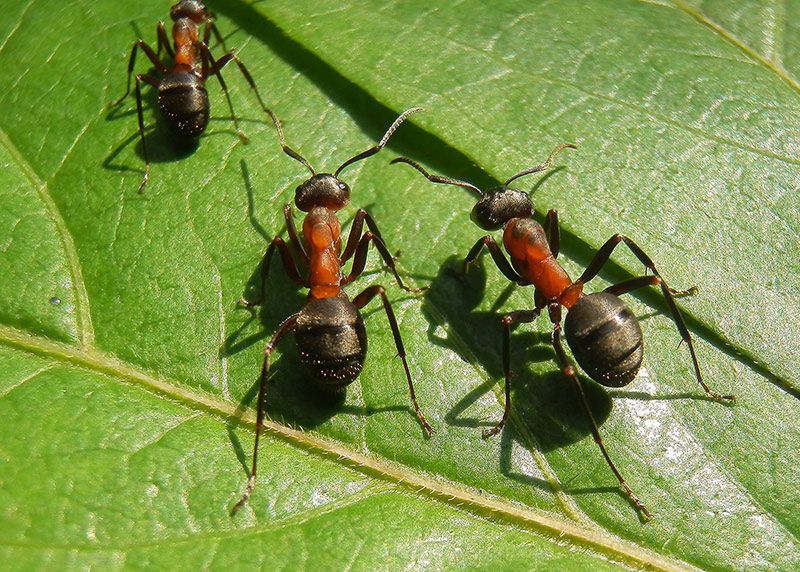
492	432
693	290
724	399
144	181
416	290
251	483
645	514
244	303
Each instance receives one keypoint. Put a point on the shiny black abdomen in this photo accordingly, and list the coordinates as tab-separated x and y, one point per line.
183	100
332	341
605	339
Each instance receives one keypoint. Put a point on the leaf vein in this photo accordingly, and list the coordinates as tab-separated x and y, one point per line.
450	494
772	65
17	25
24	380
85	328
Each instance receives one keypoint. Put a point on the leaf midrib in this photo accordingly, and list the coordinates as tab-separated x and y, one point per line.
445	492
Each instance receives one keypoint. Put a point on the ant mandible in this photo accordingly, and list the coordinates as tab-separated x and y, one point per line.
182	95
329	331
601	331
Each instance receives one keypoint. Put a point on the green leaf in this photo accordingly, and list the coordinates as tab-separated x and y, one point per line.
128	371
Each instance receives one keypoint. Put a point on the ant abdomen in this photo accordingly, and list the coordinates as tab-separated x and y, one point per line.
331	340
183	100
605	339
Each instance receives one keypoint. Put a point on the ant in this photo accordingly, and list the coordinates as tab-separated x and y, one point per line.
329	330
601	331
182	95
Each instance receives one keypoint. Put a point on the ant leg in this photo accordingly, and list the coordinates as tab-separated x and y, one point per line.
216	69
163	41
289	267
249	78
604	253
211	27
569	371
633	284
362	300
552	231
286	326
643	281
159	65
154	82
669	295
521	316
291	229
360	261
497	255
355	233
356	243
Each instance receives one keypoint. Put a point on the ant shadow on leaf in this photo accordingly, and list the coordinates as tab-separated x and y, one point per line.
546	405
163	146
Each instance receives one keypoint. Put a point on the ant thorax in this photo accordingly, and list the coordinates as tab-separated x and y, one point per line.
186	35
321	231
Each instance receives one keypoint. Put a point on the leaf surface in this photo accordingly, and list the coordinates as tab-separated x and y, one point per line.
129	371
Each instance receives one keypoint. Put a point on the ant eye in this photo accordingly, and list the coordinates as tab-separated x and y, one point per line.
342	186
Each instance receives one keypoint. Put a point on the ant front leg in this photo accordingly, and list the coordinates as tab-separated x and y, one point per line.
362	300
163	41
358	244
355	232
522	316
569	371
216	69
286	326
552	232
291	229
159	65
289	267
497	255
212	28
669	295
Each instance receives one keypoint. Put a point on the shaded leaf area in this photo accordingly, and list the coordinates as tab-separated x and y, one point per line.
696	137
162	273
145	482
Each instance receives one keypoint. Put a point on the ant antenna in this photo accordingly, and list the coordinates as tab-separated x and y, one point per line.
286	149
389	132
544	166
437	178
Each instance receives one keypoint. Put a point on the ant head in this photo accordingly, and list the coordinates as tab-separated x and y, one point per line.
191	9
500	205
322	190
